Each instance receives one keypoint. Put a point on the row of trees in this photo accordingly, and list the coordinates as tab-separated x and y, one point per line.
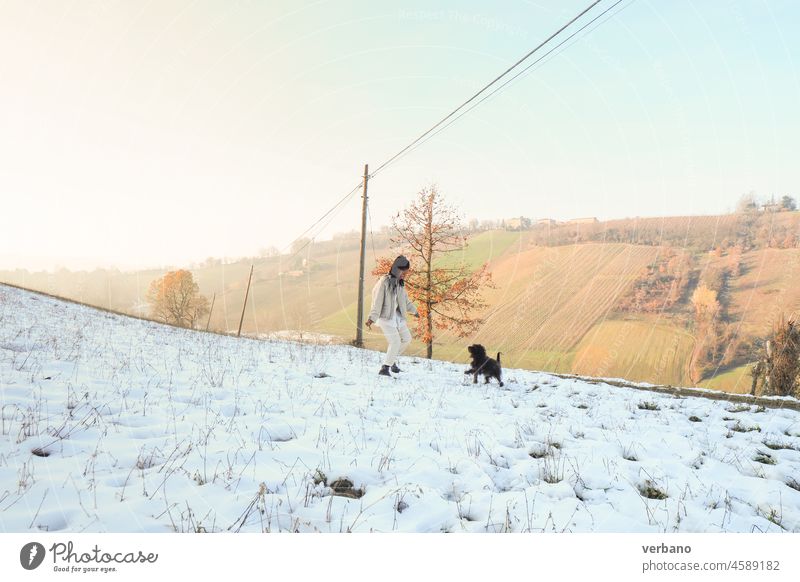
754	225
660	285
718	342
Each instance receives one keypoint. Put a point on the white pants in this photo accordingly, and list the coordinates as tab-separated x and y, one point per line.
398	335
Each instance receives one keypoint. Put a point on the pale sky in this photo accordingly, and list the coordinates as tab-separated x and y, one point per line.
138	133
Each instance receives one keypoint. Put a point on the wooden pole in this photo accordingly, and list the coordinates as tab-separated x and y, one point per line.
210	311
246	293
359	342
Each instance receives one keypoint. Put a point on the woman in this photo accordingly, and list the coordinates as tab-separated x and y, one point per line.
390	304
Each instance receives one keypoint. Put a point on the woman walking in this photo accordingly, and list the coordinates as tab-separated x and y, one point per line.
390	305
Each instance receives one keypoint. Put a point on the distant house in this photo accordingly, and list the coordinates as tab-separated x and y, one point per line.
771	207
546	221
586	220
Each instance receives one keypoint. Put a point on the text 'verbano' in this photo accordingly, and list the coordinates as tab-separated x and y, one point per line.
665	549
66	554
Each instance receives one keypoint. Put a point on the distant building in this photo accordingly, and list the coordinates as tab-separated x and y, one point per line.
546	221
586	220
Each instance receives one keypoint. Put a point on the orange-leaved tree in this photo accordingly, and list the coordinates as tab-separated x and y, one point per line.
447	296
706	336
175	298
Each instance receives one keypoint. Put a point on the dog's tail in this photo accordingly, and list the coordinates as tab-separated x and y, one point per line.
498	357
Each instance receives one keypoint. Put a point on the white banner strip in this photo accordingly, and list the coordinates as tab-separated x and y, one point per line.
401	557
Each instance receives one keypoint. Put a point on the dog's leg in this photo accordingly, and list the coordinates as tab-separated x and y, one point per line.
475	378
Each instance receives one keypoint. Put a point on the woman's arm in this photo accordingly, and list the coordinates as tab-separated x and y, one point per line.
378	293
410	307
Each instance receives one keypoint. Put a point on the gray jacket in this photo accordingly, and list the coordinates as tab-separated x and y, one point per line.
387	298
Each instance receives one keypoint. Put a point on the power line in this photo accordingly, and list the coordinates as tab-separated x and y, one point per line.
407	151
340	206
321	218
599	24
503	74
330	214
437	128
336	206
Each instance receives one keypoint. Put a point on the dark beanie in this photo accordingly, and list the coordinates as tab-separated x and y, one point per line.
399	263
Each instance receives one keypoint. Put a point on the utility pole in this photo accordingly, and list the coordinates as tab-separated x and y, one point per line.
210	311
360	307
246	293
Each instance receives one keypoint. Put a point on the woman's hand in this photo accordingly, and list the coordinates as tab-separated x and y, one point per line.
369	323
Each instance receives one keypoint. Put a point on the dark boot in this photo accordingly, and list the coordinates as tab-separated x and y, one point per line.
395	369
384	371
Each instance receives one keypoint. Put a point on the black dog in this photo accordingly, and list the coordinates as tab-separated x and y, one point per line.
481	364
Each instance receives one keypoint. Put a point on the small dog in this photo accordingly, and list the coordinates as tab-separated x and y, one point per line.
481	364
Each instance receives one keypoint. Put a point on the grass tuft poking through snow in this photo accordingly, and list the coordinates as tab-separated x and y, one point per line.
113	424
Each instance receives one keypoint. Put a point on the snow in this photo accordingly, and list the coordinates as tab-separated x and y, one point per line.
140	427
296	335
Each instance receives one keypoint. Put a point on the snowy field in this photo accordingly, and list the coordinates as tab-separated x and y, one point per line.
111	424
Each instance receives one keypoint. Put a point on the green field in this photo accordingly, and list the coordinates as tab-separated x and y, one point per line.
551	308
737	380
486	246
636	349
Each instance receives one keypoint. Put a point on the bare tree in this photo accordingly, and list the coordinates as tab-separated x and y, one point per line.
447	296
779	364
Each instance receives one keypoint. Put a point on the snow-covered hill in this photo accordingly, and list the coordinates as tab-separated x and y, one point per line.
112	424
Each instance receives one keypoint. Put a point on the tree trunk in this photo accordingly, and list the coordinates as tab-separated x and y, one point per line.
756	373
429	236
430	329
767	391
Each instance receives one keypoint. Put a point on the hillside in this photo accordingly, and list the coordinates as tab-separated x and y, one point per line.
563	297
548	298
113	424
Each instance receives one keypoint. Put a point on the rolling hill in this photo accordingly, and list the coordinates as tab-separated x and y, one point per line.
558	304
